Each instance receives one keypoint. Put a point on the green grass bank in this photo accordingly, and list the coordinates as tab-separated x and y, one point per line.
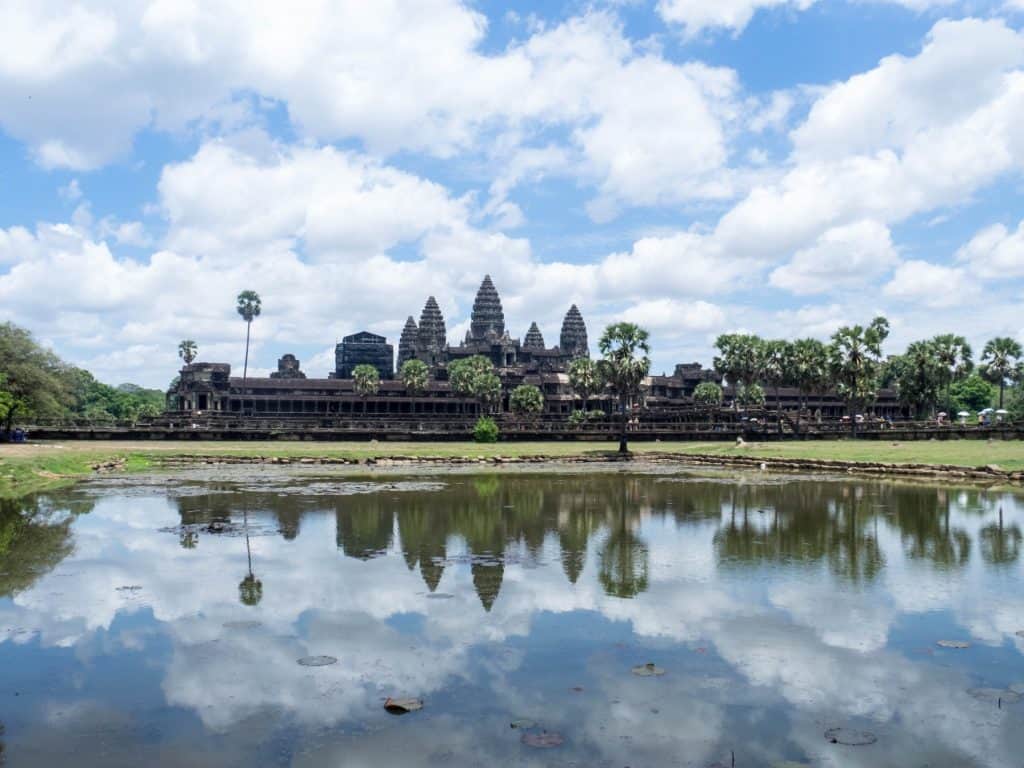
35	466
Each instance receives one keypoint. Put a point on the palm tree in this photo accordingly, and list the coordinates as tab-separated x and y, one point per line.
187	351
954	354
740	361
248	307
855	360
250	589
414	375
999	360
585	379
777	357
809	370
366	379
624	366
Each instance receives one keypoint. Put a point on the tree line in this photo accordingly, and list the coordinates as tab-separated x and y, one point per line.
36	384
932	376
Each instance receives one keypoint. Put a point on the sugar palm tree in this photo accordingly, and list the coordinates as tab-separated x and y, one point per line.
855	360
777	355
954	355
625	364
187	351
999	359
248	307
585	379
809	370
415	375
250	589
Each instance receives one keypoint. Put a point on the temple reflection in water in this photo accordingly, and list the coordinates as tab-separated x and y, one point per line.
595	521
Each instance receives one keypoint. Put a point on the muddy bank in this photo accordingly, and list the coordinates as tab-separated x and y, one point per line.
989	473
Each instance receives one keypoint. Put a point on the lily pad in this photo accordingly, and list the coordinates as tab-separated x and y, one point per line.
542	739
994	695
850	737
317	661
953	644
402	706
522	723
648	670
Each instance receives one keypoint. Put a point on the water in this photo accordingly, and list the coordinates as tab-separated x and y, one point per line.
159	621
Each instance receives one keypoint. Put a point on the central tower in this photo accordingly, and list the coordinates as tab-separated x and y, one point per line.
488	317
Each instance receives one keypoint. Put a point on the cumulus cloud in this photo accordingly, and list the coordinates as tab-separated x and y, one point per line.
931	285
995	253
843	257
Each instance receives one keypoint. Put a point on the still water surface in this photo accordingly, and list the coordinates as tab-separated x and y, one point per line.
159	621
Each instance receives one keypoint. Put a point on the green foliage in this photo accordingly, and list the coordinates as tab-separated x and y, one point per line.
35	379
100	402
585	378
971	394
707	393
475	377
855	362
581	417
777	362
250	591
624	365
415	375
366	379
249	305
1000	360
187	351
485	430
526	400
751	395
918	375
810	366
740	358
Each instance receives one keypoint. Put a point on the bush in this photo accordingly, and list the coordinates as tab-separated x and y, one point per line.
485	430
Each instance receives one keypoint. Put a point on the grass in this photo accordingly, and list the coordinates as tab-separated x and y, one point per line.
31	467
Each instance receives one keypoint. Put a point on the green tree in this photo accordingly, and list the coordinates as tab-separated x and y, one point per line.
971	394
585	379
485	430
740	360
624	365
366	379
777	357
249	307
526	400
187	350
954	355
415	375
919	374
707	393
35	379
855	360
475	377
809	370
999	359
751	395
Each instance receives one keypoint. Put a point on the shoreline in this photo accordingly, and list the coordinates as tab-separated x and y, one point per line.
45	466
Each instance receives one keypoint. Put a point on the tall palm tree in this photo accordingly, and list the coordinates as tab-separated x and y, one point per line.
625	364
777	357
187	351
999	359
250	589
809	361
585	379
249	307
954	355
415	375
854	364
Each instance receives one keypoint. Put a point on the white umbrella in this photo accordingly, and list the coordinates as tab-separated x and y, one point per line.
963	413
1002	412
985	410
943	413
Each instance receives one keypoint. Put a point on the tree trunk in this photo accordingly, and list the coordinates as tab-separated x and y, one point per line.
1002	385
245	367
778	408
623	447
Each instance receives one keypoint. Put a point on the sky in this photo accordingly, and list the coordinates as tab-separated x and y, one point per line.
780	167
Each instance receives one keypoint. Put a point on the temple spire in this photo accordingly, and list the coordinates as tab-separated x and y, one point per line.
432	332
573	339
487	316
407	341
534	339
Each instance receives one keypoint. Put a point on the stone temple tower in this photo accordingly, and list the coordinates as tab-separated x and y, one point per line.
488	317
432	335
534	339
407	341
573	340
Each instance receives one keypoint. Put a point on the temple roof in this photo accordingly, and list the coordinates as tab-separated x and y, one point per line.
407	341
487	313
573	338
432	332
534	339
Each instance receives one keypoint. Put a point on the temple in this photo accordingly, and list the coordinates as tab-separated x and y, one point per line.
209	388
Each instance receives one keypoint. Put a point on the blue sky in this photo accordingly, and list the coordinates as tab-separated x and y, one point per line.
697	166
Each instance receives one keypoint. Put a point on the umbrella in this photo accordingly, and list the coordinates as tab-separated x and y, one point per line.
963	413
1002	412
985	410
943	413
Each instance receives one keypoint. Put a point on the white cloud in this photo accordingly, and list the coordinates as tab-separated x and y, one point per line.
994	253
931	285
697	15
843	257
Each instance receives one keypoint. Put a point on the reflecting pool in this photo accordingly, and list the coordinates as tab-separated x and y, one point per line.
649	617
